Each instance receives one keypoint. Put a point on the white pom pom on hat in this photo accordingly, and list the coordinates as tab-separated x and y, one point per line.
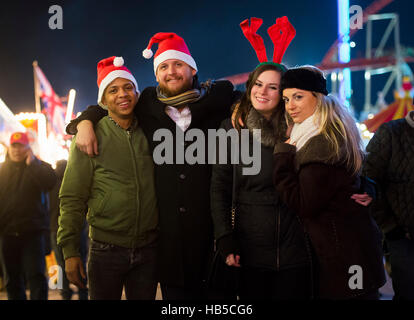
147	53
170	46
108	70
118	61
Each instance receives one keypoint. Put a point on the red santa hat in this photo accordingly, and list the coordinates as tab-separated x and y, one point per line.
108	70
170	46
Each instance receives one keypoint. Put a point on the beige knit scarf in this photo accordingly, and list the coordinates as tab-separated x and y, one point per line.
187	97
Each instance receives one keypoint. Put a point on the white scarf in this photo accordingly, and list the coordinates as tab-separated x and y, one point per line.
302	132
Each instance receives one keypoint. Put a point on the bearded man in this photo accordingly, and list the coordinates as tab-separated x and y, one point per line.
179	103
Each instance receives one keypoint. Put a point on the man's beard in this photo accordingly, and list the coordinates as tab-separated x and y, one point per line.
171	93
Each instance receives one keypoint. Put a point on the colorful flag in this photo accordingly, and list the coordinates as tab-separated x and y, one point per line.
52	105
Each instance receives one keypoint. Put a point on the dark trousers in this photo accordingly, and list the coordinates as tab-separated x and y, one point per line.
111	268
66	292
259	284
401	253
24	261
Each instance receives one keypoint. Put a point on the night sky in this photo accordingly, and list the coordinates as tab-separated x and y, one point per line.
93	30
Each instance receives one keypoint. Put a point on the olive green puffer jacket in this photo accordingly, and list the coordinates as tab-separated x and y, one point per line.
115	188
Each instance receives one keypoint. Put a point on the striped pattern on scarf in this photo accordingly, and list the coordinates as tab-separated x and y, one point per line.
187	97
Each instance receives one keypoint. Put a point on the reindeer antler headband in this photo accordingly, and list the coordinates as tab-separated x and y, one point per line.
281	33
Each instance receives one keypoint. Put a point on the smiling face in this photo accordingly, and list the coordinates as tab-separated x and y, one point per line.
174	77
120	97
265	93
300	104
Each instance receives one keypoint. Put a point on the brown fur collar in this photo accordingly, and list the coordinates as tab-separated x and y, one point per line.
318	149
256	121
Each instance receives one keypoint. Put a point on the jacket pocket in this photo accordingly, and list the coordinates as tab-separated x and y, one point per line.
95	206
104	201
116	212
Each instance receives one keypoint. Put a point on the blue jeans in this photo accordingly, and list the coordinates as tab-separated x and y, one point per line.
402	268
111	268
24	261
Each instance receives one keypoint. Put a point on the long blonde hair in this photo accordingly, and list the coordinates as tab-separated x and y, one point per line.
338	126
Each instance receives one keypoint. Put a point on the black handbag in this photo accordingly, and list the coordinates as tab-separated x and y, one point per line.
223	279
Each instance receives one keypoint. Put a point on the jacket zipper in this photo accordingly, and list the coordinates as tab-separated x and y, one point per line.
278	242
136	188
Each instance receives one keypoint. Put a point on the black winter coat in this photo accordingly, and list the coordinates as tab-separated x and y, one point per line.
23	196
268	234
183	190
390	162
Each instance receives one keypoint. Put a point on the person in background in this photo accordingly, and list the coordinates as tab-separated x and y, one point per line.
316	171
390	162
24	220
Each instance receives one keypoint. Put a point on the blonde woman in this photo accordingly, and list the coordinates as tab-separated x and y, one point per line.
316	172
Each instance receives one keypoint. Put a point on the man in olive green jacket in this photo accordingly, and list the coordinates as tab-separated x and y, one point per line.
116	189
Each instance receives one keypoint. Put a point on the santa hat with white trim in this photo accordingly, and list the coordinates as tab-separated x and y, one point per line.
108	70
170	46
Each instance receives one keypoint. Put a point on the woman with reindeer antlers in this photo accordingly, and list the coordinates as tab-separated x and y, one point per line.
267	241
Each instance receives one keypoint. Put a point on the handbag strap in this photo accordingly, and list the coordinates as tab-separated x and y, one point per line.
233	198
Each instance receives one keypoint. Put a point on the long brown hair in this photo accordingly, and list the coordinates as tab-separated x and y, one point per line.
244	104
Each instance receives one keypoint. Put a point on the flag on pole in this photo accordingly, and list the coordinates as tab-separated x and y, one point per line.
52	105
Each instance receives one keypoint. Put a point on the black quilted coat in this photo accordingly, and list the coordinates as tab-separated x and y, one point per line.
390	162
